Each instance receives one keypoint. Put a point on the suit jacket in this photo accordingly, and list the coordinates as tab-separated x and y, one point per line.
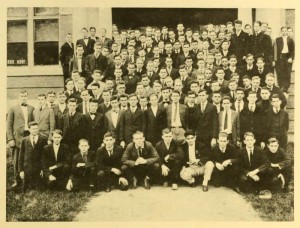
63	158
16	123
235	125
262	75
58	114
75	94
92	63
46	121
259	160
283	124
77	172
207	124
192	115
131	154
94	130
251	72
106	43
153	125
72	133
89	48
264	105
201	152
66	53
262	47
130	123
110	127
73	65
252	121
219	157
30	158
103	109
174	73
240	45
105	162
175	152
182	114
131	83
278	46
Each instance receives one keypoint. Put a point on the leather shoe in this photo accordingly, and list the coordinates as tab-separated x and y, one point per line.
174	186
146	183
107	189
204	188
192	185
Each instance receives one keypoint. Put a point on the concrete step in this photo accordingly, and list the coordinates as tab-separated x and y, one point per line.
291	126
290	101
291	137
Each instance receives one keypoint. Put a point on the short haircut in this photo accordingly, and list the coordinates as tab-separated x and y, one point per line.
83	141
114	97
240	89
51	92
22	91
238	22
189	132
97	71
132	95
42	95
272	140
61	92
138	133
32	123
226	98
166	131
57	131
94	100
84	90
72	100
248	133
275	96
223	134
96	84
109	134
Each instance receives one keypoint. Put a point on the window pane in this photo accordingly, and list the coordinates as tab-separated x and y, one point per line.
17	31
46	53
46	30
17	11
49	11
17	54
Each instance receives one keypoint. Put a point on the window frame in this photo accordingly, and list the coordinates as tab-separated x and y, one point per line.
30	68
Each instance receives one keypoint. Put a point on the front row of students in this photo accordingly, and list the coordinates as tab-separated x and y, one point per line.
248	169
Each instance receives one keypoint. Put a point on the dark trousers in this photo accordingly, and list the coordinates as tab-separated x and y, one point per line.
284	70
32	180
174	174
62	175
228	177
275	183
84	179
66	72
141	171
108	178
248	185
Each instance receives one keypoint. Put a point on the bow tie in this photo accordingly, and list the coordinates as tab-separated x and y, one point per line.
25	105
116	111
93	113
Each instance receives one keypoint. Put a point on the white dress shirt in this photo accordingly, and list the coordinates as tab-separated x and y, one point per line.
25	113
62	107
114	117
177	122
55	148
192	153
154	110
285	48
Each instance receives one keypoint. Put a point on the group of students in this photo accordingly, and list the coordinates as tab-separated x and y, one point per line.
132	111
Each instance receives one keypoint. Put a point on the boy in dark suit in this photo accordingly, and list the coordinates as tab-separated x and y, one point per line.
131	121
83	171
56	162
86	42
155	119
94	125
224	157
253	166
280	165
140	161
61	108
30	159
196	161
108	160
66	54
170	159
72	124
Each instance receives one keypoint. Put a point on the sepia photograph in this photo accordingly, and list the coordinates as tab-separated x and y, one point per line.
130	114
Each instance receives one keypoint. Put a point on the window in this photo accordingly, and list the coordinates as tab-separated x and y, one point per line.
46	42
17	40
32	36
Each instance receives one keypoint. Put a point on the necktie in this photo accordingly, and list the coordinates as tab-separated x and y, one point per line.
251	156
175	114
33	142
84	156
41	109
239	107
226	121
24	105
109	153
85	108
140	152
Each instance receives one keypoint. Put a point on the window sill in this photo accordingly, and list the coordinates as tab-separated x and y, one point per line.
34	70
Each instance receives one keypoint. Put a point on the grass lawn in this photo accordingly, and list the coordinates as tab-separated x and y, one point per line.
281	206
63	206
43	205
